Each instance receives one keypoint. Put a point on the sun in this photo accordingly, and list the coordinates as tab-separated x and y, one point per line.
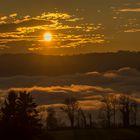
48	37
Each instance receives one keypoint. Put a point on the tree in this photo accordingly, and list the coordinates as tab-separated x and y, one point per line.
90	120
134	108
125	109
71	108
51	121
9	119
19	116
27	114
114	103
8	110
83	118
107	110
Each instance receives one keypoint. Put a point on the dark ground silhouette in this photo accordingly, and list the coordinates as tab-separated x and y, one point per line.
20	119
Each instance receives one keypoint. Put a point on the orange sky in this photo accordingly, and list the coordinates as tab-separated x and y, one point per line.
76	26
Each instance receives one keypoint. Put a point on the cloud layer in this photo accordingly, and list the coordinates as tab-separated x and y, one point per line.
89	87
88	26
67	30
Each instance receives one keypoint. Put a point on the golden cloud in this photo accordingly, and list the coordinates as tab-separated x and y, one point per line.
13	15
66	28
132	30
130	10
3	18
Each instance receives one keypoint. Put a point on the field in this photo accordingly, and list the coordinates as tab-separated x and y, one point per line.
97	134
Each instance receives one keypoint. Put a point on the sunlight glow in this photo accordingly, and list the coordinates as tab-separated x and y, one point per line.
48	36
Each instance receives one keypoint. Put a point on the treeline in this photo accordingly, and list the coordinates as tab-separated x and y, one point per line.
20	116
116	111
35	64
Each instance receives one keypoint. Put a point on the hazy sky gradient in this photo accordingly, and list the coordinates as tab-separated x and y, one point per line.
78	26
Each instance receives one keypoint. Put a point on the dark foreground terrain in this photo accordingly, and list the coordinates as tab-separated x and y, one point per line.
97	134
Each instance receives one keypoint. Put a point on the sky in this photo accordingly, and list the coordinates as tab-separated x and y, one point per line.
76	26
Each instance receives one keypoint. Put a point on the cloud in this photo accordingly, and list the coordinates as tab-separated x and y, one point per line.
55	16
57	94
68	31
3	18
132	30
67	15
13	15
129	10
87	87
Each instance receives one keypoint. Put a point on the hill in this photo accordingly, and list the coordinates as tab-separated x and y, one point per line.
34	64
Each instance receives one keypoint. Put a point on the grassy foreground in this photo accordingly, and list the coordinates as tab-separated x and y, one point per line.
97	134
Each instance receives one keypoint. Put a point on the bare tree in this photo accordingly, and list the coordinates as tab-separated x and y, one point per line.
114	104
71	108
125	103
83	118
134	109
107	110
51	121
90	119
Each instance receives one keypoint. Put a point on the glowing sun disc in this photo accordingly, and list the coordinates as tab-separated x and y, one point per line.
48	37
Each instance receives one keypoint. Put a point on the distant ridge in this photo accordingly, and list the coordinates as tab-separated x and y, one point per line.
37	65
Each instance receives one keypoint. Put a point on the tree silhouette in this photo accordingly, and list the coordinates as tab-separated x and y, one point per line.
114	103
8	110
71	109
9	120
27	114
107	110
134	110
51	121
83	118
125	109
20	117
